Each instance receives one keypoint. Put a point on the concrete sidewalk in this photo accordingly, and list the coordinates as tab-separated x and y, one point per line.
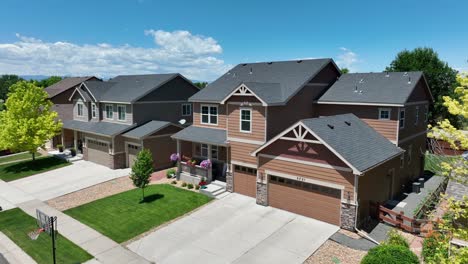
101	247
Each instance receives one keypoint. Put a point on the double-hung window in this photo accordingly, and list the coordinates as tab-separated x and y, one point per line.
109	111
384	113
245	120
186	109
204	151
121	110
80	109
209	114
402	118
93	110
416	118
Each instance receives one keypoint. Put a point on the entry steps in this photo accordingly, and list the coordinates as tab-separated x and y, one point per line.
216	189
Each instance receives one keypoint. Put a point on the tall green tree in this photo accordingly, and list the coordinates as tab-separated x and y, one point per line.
28	121
344	70
141	170
441	78
201	85
5	82
48	82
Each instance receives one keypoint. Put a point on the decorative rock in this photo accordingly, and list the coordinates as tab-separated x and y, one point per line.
229	182
348	216
262	194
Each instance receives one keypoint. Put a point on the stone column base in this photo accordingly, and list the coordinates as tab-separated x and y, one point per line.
229	182
348	216
117	161
262	194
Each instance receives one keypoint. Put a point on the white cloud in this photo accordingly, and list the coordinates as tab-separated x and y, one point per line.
347	59
179	51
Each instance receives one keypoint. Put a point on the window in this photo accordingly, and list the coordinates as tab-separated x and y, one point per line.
186	109
121	110
246	170
93	110
109	111
402	118
384	113
209	114
246	120
416	119
80	107
410	150
402	160
426	113
204	151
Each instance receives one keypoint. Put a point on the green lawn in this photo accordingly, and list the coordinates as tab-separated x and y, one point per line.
21	156
18	170
432	162
16	224
122	216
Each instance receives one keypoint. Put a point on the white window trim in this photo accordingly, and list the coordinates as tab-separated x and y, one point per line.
209	115
125	112
240	119
93	110
189	107
389	110
213	147
78	104
106	115
404	118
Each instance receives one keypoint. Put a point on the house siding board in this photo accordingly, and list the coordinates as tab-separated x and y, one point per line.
419	93
241	152
115	116
413	170
410	127
343	178
368	114
257	126
221	116
161	149
85	116
171	112
176	89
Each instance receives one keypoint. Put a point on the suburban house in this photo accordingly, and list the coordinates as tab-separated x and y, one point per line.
299	136
113	120
59	93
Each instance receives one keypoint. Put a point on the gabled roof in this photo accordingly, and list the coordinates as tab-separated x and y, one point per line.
65	84
202	135
147	129
274	82
387	88
350	139
99	128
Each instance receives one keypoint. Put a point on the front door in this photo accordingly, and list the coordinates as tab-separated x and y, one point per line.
218	170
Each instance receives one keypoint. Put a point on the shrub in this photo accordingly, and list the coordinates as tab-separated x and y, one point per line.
184	184
197	187
190	186
174	182
390	254
435	248
170	173
73	152
60	148
395	238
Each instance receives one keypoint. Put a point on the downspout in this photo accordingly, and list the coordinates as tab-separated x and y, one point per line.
356	201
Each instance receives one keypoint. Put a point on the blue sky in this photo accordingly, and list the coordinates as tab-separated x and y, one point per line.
202	39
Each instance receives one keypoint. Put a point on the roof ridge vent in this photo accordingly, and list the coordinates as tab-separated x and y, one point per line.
299	61
330	126
387	74
360	91
348	123
251	71
405	74
361	81
355	89
409	79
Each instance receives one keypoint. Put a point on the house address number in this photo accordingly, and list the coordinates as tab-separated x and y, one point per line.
301	179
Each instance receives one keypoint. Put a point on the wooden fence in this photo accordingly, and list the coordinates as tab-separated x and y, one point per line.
397	219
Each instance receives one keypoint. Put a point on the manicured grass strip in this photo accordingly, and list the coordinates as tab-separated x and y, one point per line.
21	156
432	162
16	224
18	170
122	216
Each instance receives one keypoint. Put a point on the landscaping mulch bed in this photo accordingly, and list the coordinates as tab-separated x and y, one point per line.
332	252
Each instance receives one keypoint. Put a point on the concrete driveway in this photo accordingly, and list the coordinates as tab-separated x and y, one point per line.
235	229
55	183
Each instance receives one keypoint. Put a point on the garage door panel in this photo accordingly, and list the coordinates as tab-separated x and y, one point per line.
98	152
306	199
244	182
132	153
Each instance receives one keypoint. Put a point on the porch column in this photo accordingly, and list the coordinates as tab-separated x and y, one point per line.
210	171
75	139
179	167
63	138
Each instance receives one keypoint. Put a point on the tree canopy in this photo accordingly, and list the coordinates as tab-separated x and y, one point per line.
201	85
344	70
440	77
28	121
5	82
141	170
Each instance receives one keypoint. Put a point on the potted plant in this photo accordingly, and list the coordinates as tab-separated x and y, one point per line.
206	164
174	158
60	148
73	152
203	182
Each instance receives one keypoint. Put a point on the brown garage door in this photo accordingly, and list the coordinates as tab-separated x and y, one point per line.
132	154
306	199
245	180
98	152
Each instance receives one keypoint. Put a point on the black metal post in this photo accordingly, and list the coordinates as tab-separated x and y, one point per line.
52	233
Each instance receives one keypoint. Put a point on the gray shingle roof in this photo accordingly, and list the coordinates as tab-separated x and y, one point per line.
147	129
101	128
385	88
128	88
202	135
357	143
274	82
65	84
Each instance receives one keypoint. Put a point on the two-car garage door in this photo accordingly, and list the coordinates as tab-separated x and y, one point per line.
311	200
98	151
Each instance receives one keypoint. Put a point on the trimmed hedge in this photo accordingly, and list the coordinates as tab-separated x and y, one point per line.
390	254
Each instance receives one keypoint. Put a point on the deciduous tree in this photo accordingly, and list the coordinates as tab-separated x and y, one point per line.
141	170
5	82
28	121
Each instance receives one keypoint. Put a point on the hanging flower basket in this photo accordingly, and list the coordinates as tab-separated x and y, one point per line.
175	157
206	164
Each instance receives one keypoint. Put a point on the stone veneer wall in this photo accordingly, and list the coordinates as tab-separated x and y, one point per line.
262	193
229	182
348	216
